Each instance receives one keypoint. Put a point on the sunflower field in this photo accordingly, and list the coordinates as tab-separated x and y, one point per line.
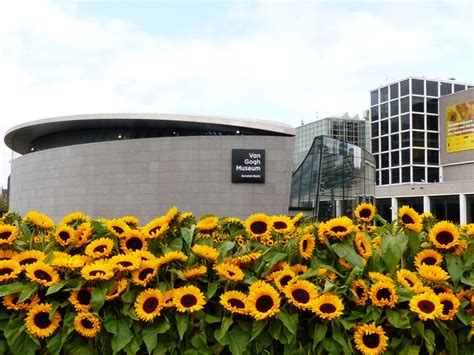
264	285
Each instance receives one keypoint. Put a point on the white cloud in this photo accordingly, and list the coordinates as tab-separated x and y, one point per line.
272	60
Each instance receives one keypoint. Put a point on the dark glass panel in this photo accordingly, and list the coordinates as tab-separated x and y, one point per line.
414	202
384	143
432	105
385	177
432	157
395	176
385	162
419	173
432	122
458	87
395	141
417	87
384	110
375	145
394	108
418	156
374	113
384	208
394	127
393	91
418	104
433	140
395	158
432	88
383	127
433	174
405	119
404	87
446	208
375	129
384	94
405	139
405	156
446	88
404	104
418	139
406	175
418	121
374	97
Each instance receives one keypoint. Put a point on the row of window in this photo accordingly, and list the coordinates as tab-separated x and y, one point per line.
395	141
396	107
418	87
402	123
407	174
402	157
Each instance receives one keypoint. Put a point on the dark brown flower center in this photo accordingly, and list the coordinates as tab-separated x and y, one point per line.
365	213
439	289
188	300
84	297
117	229
339	229
144	273
362	246
100	248
444	237
304	244
28	261
447	306
426	306
429	260
406	219
150	305
41	320
285	279
383	293
258	227
264	303
64	236
327	308
230	273
360	291
371	341
5	235
280	225
234	302
410	283
134	244
97	272
6	271
300	295
86	323
125	263
43	275
155	230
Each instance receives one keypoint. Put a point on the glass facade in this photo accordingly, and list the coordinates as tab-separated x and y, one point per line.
333	178
407	124
344	128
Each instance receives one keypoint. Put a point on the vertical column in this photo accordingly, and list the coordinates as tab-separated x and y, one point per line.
426	204
394	208
462	209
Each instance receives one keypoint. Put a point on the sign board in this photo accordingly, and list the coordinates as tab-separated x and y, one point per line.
248	165
460	127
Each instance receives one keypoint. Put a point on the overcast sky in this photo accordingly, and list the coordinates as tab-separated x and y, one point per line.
284	61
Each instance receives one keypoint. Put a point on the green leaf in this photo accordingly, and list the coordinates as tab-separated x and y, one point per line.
224	247
150	332
320	331
257	328
210	319
19	341
28	291
176	244
346	250
290	321
238	341
398	318
98	298
455	267
199	342
339	336
121	330
430	342
270	259
187	234
219	334
392	249
275	329
211	290
410	349
133	346
181	323
14	287
418	328
331	346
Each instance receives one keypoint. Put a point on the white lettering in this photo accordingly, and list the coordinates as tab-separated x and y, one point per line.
252	161
255	155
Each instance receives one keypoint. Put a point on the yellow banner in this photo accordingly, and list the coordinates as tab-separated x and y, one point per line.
460	127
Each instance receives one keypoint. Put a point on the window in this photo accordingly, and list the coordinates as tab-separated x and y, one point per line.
395	176
395	141
374	113
446	88
394	107
418	156
395	158
384	94
446	208
384	142
384	208
385	177
458	87
418	139
432	122
432	88
432	157
418	121
375	145
404	88
433	140
394	91
394	124
433	174
417	87
405	139
432	105
385	162
405	119
419	173
404	104
418	104
406	175
374	97
405	156
383	127
470	208
384	110
414	202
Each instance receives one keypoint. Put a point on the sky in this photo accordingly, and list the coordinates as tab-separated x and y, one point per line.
283	61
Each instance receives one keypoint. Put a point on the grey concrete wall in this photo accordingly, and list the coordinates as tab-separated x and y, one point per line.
146	177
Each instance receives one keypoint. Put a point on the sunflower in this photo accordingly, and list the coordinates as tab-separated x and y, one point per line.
83	234
450	305
433	273
75	218
298	218
229	272
301	293
244	260
156	228
258	225
444	235
148	304
469	296
299	269
410	218
460	248
408	279
377	276
9	269
428	257
87	324
64	235
168	299
196	271
131	221
172	256
171	214
6	254
188	298
306	246
11	302
98	271
68	262
437	289
147	271
29	257
81	299
99	248
134	240
370	339
263	301
42	273
283	277
7	234
468	229
339	227
234	301
206	252
426	305
39	220
119	287
39	321
322	233
345	264
117	227
232	220
282	224
184	216
361	291
383	294
207	223
328	306
365	212
377	242
126	262
363	245
240	240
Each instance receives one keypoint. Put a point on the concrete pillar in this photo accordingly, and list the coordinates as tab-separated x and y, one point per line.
394	208
462	209
426	204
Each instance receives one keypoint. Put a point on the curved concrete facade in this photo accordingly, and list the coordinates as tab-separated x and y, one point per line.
145	177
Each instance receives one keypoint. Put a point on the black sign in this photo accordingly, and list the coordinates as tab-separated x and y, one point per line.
248	165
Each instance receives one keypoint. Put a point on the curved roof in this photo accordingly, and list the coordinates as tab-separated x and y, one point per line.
21	138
